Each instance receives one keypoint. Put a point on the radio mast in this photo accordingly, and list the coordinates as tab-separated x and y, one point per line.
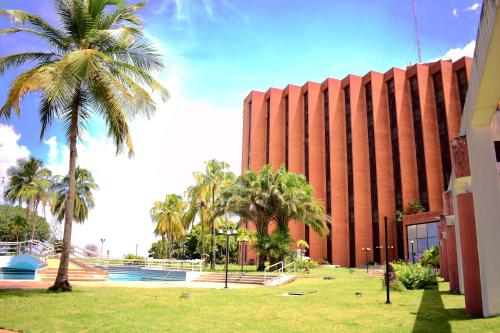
419	50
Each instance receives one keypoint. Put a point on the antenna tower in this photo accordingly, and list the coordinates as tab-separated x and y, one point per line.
419	50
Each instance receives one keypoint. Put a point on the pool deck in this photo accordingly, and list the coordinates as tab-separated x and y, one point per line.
30	284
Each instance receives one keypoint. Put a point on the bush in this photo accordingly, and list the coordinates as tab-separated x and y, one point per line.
394	283
306	265
430	257
413	276
322	261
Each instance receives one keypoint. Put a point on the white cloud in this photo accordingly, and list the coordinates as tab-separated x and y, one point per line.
10	152
455	12
169	147
457	53
474	7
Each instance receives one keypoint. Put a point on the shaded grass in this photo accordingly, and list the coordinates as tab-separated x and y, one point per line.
334	307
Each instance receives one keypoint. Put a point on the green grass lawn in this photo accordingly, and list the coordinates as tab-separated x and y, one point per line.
333	307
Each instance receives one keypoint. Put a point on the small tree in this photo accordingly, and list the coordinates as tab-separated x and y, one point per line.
303	246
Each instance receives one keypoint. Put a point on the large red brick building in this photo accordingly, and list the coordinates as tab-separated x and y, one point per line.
369	146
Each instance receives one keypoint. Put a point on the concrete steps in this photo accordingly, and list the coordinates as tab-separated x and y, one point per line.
234	278
77	271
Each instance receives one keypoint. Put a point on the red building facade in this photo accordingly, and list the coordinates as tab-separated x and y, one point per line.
369	146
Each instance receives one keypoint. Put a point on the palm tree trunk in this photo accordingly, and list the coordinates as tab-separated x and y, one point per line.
164	247
214	244
33	228
62	283
202	239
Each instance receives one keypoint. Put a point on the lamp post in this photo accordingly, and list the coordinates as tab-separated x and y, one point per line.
412	256
387	247
242	253
366	249
102	244
227	232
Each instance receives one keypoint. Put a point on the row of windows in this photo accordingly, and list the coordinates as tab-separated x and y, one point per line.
462	86
326	111
442	128
396	164
306	152
268	127
373	170
419	142
350	181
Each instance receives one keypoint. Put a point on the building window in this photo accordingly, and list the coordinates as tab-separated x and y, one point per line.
286	132
442	128
419	142
462	86
326	111
268	127
424	236
306	152
396	163
249	133
373	170
350	182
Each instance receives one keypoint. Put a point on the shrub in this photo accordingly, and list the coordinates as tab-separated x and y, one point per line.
430	257
306	265
394	283
322	261
413	276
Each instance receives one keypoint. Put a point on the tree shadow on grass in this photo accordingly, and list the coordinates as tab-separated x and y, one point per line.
432	316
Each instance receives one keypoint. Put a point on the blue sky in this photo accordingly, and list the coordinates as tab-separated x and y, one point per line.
216	52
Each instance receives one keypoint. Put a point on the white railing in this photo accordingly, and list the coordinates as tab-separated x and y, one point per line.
32	247
282	268
192	265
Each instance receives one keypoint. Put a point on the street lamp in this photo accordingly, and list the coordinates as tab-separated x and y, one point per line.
366	249
227	232
388	296
136	246
412	256
102	244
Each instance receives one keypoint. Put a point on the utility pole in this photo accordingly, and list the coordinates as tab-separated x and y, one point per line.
419	50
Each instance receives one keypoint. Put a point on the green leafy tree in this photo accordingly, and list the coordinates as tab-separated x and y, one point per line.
98	64
15	226
277	197
84	199
171	219
207	199
29	184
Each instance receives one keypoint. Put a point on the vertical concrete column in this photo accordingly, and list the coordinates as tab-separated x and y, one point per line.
452	257
472	276
340	226
431	139
317	245
443	252
277	128
451	98
258	132
295	144
383	155
487	213
361	171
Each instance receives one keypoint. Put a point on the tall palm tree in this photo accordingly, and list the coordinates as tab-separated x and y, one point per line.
84	200
171	218
206	198
98	64
29	184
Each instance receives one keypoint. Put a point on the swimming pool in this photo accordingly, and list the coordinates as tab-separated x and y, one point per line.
135	273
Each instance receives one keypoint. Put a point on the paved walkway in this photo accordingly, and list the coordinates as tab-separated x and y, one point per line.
29	284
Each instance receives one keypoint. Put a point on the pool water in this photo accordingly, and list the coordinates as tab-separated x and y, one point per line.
131	273
16	274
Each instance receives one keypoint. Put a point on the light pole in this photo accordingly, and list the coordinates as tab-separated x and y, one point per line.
102	244
242	254
388	296
227	232
412	256
366	249
136	246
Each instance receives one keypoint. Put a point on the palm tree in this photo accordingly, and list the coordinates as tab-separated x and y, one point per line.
171	218
84	200
29	183
277	197
98	64
206	198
